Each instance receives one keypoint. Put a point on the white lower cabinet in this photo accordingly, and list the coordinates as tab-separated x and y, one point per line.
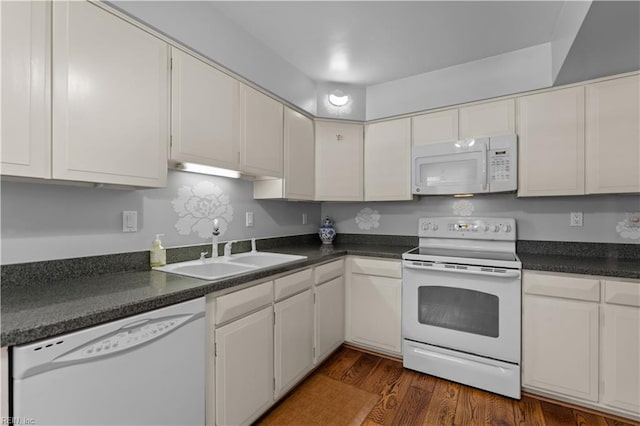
264	339
561	346
329	310
293	340
244	368
621	346
374	289
581	340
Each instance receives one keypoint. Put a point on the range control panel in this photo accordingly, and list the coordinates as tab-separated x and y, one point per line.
485	228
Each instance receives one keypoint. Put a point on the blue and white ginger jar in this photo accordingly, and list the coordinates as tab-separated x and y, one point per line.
326	232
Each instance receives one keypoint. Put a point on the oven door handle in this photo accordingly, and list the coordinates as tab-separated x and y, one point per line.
509	273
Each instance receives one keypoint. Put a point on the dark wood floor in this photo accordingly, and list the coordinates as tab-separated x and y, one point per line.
387	394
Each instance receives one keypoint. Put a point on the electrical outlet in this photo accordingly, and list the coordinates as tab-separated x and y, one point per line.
575	219
129	221
304	218
249	219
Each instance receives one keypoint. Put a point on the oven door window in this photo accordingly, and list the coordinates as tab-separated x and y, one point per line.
459	309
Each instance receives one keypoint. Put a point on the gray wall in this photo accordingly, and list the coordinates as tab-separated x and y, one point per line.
540	218
513	72
43	222
202	27
608	43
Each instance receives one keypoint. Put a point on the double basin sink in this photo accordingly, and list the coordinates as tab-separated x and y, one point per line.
221	267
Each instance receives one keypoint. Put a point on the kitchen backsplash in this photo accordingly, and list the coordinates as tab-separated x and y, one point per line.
606	218
45	222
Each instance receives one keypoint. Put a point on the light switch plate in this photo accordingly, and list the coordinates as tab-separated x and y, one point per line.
130	221
575	219
249	219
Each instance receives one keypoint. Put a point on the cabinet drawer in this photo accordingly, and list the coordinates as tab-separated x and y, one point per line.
382	268
292	284
566	286
242	302
328	271
622	292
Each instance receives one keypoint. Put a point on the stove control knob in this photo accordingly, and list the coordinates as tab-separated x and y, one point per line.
426	226
495	228
485	228
434	227
506	228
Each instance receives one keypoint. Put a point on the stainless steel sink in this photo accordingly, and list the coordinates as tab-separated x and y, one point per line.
227	266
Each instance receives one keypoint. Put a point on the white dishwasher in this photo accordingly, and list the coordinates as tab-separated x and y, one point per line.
148	369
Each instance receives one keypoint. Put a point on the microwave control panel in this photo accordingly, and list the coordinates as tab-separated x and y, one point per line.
503	163
500	165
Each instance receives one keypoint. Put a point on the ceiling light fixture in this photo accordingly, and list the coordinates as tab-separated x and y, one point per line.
207	170
338	98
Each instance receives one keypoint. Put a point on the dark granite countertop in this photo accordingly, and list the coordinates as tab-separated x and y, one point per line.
611	260
37	310
611	267
40	301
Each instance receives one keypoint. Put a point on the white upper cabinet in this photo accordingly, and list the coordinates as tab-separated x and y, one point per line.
488	119
613	136
551	143
299	162
299	156
261	133
339	161
387	146
26	90
435	127
110	98
205	118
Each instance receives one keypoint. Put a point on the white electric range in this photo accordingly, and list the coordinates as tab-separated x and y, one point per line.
461	302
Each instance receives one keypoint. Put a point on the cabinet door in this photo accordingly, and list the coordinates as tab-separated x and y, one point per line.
560	346
374	312
299	156
110	98
260	133
339	161
551	143
26	91
435	127
621	357
387	146
293	340
613	136
488	119
205	116
329	300
244	368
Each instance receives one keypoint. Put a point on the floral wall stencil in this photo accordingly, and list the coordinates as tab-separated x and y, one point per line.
368	219
463	208
197	206
630	226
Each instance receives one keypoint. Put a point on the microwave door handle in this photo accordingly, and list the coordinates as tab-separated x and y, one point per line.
483	150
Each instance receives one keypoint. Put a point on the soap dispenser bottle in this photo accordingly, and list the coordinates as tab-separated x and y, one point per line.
158	253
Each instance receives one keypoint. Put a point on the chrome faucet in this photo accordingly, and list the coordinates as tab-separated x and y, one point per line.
227	248
214	238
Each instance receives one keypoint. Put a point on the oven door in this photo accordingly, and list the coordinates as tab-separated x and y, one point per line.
465	308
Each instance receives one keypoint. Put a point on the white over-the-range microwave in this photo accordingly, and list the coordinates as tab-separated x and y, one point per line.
469	166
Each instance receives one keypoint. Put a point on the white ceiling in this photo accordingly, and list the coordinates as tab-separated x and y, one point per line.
369	42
